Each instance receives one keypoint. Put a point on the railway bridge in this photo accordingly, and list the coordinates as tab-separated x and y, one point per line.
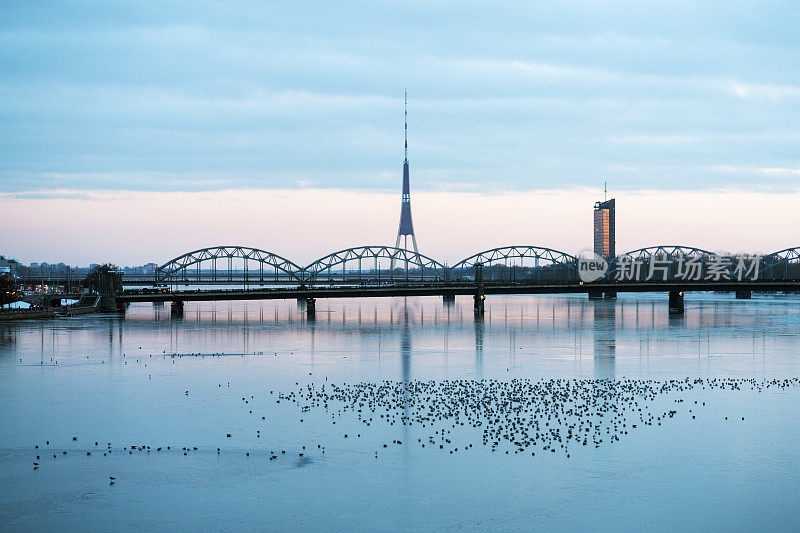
244	273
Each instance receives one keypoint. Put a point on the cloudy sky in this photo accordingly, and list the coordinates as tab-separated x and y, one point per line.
126	98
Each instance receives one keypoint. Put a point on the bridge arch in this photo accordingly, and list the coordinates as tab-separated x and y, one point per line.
521	262
380	262
270	266
672	253
783	264
665	251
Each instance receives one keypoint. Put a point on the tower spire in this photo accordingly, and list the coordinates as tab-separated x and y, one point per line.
406	225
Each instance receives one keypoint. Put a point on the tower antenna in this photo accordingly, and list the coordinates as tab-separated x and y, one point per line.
406	228
405	123
605	191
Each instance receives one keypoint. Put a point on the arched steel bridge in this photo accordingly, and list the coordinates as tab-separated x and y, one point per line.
376	264
361	264
384	271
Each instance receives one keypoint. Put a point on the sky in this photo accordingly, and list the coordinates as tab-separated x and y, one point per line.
132	115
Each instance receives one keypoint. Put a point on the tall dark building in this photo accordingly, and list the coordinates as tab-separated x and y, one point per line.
406	225
604	235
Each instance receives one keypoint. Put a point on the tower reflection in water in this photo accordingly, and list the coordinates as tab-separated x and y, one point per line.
405	346
605	330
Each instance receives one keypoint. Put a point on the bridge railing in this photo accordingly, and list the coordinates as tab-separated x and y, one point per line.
517	274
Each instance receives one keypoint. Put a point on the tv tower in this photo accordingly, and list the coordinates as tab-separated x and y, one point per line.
406	225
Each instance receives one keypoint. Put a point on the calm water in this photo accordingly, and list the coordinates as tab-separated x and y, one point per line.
151	380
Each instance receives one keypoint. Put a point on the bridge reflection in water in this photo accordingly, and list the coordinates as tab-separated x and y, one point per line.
402	339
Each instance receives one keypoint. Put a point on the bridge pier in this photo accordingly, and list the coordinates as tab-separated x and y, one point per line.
743	294
610	295
595	294
176	308
478	300
449	299
676	306
311	308
109	303
110	285
479	304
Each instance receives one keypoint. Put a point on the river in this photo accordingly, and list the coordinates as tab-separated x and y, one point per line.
549	413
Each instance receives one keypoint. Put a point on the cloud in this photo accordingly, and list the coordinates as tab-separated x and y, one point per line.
771	92
155	97
791	171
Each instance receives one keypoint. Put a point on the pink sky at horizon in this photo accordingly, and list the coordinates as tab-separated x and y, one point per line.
133	228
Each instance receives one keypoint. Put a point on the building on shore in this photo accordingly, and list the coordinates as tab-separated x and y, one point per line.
604	235
8	265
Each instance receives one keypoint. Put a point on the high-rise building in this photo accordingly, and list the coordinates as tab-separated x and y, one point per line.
604	229
406	225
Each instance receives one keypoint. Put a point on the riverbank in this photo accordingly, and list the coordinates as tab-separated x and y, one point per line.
85	305
24	314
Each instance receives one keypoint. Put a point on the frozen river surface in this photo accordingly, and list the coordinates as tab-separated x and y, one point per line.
551	413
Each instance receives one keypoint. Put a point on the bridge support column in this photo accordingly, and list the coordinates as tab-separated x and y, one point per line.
110	285
449	299
610	295
176	308
108	302
311	308
595	294
479	304
676	306
743	294
479	299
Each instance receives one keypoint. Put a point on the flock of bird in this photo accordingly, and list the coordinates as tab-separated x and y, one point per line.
511	416
107	449
517	415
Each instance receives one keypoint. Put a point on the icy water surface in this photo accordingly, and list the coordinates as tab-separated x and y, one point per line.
551	413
